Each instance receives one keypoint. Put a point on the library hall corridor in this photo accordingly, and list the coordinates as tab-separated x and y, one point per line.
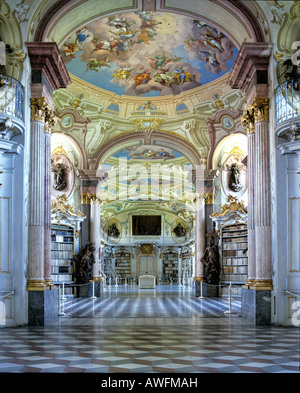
162	330
149	189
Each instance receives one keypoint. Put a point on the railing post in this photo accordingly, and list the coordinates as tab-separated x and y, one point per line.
230	310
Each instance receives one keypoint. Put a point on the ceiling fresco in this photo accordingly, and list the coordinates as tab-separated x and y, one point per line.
147	153
148	53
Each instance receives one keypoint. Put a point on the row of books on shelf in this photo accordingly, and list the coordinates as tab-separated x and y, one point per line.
61	254
234	246
234	237
234	253
236	227
170	264
234	277
170	271
61	262
61	269
62	232
235	240
62	278
235	269
62	239
235	261
62	246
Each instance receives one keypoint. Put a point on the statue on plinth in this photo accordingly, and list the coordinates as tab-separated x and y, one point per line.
84	264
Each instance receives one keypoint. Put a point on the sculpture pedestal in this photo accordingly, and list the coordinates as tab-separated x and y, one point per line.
256	306
87	290
42	307
147	282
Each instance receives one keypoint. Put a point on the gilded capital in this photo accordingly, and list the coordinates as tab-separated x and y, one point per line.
41	111
50	119
248	120
88	198
261	109
38	107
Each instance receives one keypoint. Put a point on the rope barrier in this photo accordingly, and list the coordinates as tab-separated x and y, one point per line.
285	291
7	294
230	286
190	280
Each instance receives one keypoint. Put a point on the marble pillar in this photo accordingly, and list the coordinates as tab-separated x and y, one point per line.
47	207
256	294
95	236
262	203
199	236
48	73
42	302
36	216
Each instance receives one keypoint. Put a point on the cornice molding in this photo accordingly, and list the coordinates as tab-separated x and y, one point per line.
45	57
253	56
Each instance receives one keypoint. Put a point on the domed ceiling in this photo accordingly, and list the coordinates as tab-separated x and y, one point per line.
148	54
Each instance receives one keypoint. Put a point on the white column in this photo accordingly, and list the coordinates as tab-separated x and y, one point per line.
262	205
47	211
262	201
95	236
36	216
248	122
199	236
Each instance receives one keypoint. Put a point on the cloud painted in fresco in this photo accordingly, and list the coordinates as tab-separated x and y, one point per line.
111	53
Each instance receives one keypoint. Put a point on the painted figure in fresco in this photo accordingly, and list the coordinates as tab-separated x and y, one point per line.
142	77
145	36
106	45
159	61
165	154
209	58
182	75
148	21
95	65
123	73
121	26
164	76
71	48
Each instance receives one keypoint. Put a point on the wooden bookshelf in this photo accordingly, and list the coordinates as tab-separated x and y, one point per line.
234	259
62	255
170	266
123	264
187	264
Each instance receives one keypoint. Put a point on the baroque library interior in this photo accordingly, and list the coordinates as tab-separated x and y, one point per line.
149	186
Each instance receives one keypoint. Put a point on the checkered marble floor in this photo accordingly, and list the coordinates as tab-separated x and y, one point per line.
166	330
